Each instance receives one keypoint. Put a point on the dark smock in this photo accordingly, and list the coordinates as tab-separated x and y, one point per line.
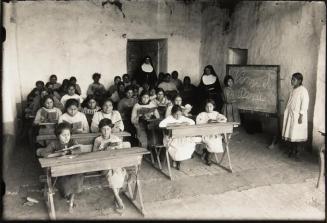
69	184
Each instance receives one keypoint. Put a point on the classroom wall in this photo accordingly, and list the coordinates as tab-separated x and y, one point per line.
11	94
319	116
275	33
82	37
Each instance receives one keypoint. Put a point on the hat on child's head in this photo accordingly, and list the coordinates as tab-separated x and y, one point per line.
104	122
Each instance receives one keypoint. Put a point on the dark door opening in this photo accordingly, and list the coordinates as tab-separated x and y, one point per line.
138	49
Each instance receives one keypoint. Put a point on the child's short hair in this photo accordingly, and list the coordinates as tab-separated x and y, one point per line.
65	82
227	78
116	77
160	90
87	99
53	76
175	109
125	75
71	85
211	101
120	83
39	83
161	75
72	78
167	75
96	75
104	122
187	78
128	88
298	76
71	102
177	96
174	73
45	98
106	100
61	126
144	92
48	84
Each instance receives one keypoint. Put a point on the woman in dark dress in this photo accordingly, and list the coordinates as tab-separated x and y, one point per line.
146	73
209	87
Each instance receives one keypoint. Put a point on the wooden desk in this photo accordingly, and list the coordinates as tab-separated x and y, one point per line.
82	138
96	161
202	130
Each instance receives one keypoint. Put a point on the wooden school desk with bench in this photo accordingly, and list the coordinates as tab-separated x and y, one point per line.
185	131
86	162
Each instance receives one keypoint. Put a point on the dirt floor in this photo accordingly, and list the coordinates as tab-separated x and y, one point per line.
265	184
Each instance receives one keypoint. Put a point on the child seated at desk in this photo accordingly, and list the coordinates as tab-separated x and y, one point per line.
71	95
143	111
107	112
74	117
107	141
125	107
68	185
179	149
213	143
162	102
48	113
89	107
177	100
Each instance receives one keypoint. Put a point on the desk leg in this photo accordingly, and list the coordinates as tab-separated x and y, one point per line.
227	149
132	194
321	165
168	164
158	156
160	167
50	193
71	203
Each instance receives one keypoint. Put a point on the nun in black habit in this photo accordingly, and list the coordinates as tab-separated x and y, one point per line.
209	87
146	73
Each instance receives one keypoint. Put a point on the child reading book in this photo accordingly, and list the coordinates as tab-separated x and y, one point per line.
115	176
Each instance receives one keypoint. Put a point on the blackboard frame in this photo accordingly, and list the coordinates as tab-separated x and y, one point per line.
277	67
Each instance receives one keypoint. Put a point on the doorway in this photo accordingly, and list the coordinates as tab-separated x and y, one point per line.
138	49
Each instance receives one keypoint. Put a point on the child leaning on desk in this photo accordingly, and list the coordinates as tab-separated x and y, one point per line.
108	141
68	185
178	148
213	143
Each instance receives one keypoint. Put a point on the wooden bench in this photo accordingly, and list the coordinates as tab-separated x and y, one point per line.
200	130
82	138
96	161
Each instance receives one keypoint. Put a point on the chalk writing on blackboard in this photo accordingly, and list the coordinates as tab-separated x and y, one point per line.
255	87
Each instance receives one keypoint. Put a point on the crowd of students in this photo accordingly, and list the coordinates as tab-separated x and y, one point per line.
129	103
126	106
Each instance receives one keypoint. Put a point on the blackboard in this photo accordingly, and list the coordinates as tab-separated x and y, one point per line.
256	87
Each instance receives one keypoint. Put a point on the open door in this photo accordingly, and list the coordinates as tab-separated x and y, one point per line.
138	49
